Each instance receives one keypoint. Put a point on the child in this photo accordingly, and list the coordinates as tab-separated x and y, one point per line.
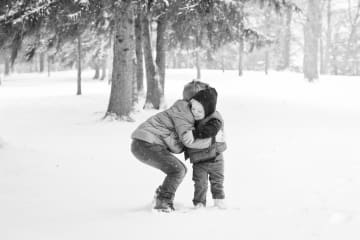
207	163
155	141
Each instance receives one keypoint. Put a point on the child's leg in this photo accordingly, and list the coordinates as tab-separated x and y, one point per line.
159	157
216	173
200	178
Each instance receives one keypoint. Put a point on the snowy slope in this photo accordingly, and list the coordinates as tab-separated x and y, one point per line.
292	166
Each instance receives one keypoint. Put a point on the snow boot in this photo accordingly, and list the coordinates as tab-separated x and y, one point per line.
199	206
164	205
220	203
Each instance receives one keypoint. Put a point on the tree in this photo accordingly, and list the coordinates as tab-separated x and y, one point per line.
352	44
120	104
285	38
328	37
78	64
241	39
161	45
139	49
311	40
267	29
154	93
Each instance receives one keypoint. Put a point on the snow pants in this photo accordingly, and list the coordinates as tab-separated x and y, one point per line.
203	172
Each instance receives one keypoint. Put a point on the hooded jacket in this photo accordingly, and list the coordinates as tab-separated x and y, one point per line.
219	146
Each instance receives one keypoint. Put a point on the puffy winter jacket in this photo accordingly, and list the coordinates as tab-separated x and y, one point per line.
168	127
220	145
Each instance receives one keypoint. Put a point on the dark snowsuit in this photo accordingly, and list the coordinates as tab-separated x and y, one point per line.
212	169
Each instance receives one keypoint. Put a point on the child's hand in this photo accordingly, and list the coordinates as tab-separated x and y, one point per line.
188	137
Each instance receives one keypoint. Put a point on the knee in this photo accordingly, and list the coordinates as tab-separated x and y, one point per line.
180	171
136	149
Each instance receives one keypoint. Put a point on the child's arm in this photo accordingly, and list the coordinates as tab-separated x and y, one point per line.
208	130
184	122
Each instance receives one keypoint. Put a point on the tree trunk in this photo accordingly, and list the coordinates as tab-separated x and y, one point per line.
197	51
311	41
36	62
110	57
7	66
97	71
139	50
267	29
161	52
197	63
321	55
153	93
241	56
42	62
79	65
103	69
287	40
352	39
49	65
241	40
328	39
120	104
222	62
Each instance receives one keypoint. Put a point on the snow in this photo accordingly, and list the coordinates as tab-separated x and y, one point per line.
292	164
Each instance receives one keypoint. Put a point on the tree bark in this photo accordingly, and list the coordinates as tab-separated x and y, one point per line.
161	52
49	65
139	50
222	62
42	62
197	44
286	48
321	55
328	39
153	93
311	41
79	65
349	55
241	56
110	60
7	66
103	69
241	40
267	26
197	63
97	71
120	104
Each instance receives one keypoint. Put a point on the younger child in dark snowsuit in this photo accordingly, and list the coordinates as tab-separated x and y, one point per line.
207	163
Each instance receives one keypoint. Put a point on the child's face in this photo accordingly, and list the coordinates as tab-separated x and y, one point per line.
197	109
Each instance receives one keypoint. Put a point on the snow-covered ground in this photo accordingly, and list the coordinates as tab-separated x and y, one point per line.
292	164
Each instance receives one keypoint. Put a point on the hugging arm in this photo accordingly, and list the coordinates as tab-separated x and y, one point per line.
183	122
208	130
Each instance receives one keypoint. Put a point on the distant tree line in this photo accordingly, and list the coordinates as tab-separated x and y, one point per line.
131	39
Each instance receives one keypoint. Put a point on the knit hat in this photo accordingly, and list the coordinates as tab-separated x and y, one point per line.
208	99
192	88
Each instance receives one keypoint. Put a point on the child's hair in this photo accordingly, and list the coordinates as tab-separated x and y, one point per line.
192	88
